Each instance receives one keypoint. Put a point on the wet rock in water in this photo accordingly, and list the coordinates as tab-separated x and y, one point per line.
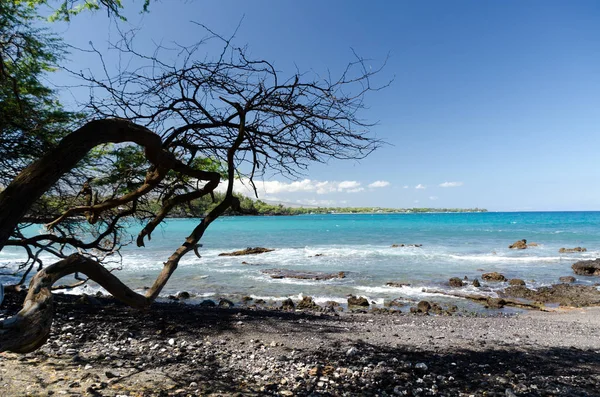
226	303
182	295
307	303
563	294
247	251
397	284
173	297
406	245
571	250
493	276
358	301
587	268
532	244
455	282
436	308
288	304
207	303
317	255
423	307
476	283
495	303
260	301
516	281
302	275
394	303
246	299
519	245
567	279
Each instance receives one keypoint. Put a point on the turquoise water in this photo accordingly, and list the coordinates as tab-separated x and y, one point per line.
453	245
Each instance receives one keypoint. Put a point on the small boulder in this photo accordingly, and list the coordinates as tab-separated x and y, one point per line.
288	304
495	303
571	250
532	244
358	301
567	279
455	282
587	268
182	295
476	283
423	307
493	276
516	281
226	303
207	303
246	299
519	245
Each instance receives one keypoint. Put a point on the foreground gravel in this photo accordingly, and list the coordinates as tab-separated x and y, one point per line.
107	349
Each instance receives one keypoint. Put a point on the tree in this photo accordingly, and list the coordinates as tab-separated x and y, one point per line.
239	112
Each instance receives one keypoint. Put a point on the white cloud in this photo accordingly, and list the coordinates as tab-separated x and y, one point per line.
322	203
405	186
379	184
433	198
419	186
451	184
270	188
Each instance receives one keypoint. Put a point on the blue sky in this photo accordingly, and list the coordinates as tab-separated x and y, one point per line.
494	104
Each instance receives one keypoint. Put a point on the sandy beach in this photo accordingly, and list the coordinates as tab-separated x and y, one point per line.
105	349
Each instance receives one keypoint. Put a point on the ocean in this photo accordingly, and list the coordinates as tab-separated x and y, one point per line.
453	245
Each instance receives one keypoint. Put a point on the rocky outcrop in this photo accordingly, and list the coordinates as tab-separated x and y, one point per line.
519	245
357	301
567	279
247	251
516	281
476	283
563	294
288	304
302	275
571	250
394	303
455	282
493	276
397	284
307	303
532	244
587	268
407	245
423	307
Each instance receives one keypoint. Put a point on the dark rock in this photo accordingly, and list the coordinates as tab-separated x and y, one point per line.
246	298
520	245
288	304
173	297
260	301
455	282
407	245
587	268
358	301
88	300
316	255
516	281
423	307
571	250
396	284
493	276
226	303
207	303
567	279
307	303
302	275
183	295
247	251
476	283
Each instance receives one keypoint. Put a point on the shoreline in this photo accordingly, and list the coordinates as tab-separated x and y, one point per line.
107	349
